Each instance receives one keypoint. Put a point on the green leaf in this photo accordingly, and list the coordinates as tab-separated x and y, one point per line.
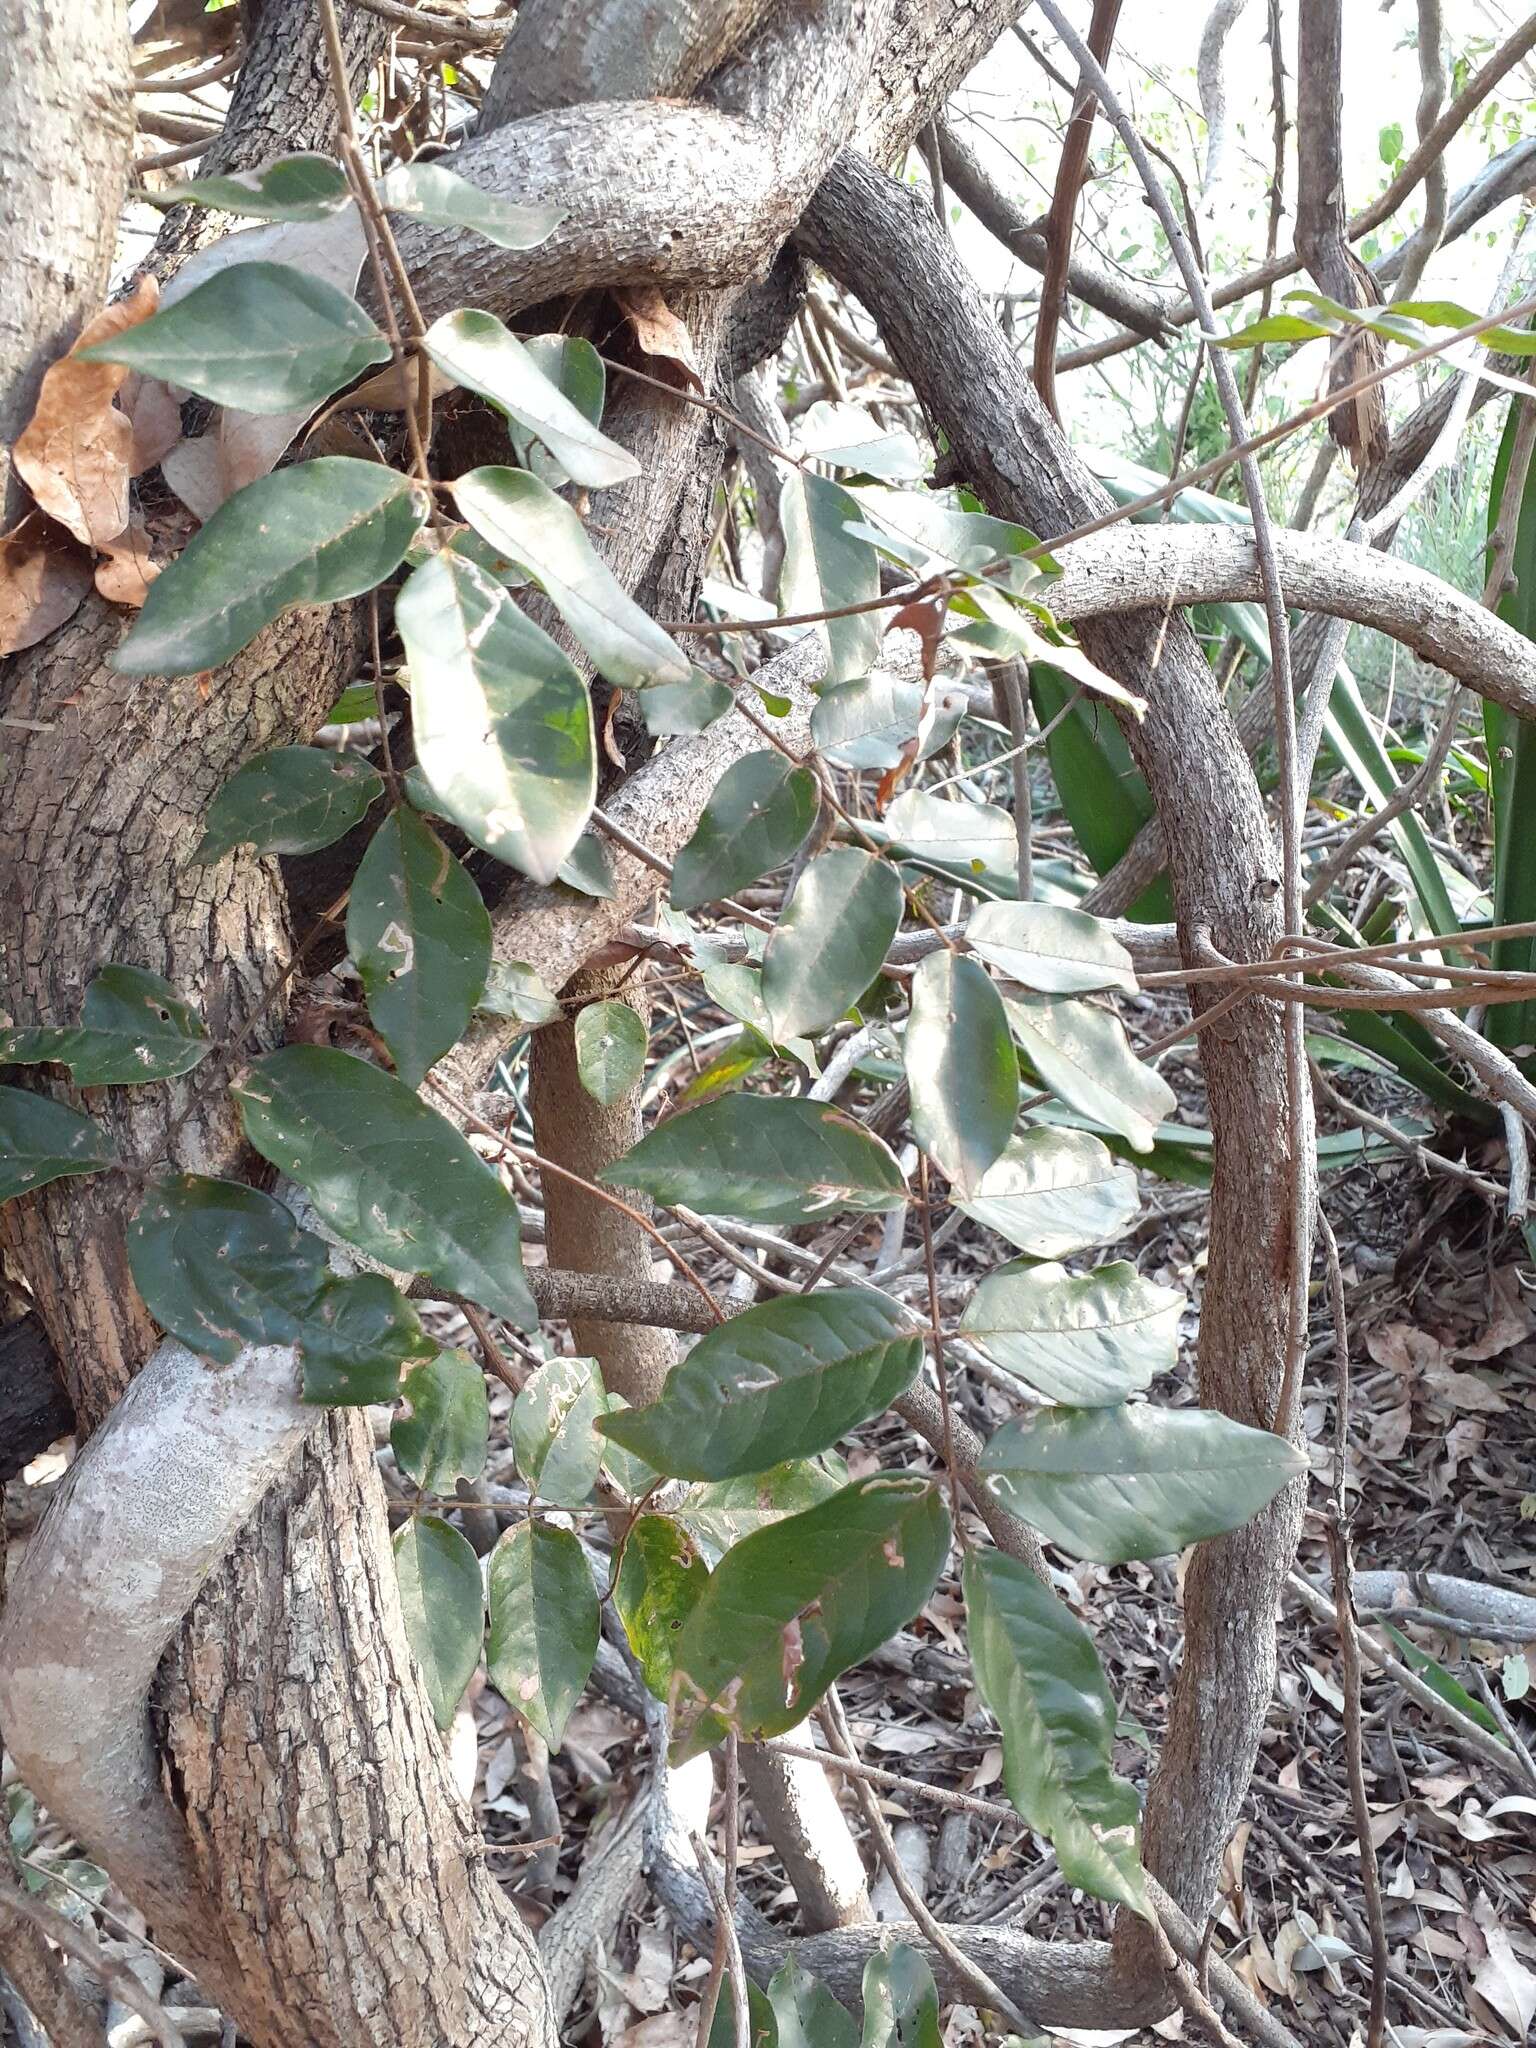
1389	143
761	2028
526	521
442	1604
1050	1192
611	1041
1083	1338
756	817
554	1430
1277	327
972	842
544	1624
661	1576
388	1174
220	1265
356	702
291	800
808	2015
871	721
311	534
764	1159
901	2002
587	868
133	1027
420	938
477	351
258	337
301	187
41	1140
1117	1483
359	1333
429	192
1511	753
961	1068
1441	1681
685	707
830	942
782	1380
1059	952
440	1438
502	722
826	567
1038	1671
793	1606
725	1511
1082	1054
513	989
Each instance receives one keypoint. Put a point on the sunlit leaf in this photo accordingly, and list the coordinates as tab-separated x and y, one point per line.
871	721
442	1604
301	187
1083	1055
431	192
554	1430
1055	951
133	1027
513	989
611	1041
291	800
440	1437
967	840
1050	1192
1082	1338
477	351
685	707
961	1068
544	1624
41	1140
826	568
830	941
756	817
661	1576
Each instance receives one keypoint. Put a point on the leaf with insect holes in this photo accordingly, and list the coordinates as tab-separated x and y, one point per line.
830	940
1050	1192
431	192
358	1335
789	1609
290	800
260	337
661	1576
961	1068
311	534
442	1603
304	186
441	1436
1083	1056
1057	952
501	720
1088	1339
554	1430
544	1624
725	1510
133	1027
827	568
221	1265
41	1140
611	1041
477	351
420	939
756	817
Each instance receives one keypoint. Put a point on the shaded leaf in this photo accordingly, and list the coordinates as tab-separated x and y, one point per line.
761	2027
133	1027
1083	1338
901	2002
661	1576
291	800
441	1436
659	331
1050	1192
726	1510
575	368
756	817
967	840
442	1603
808	2015
685	707
44	575
305	186
41	1140
1059	952
513	989
1082	1054
477	351
544	1624
430	192
221	1265
830	941
961	1068
611	1041
826	567
871	721
588	868
554	1430
355	1339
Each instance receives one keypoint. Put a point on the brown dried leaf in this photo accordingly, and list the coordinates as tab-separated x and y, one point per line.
76	452
44	574
659	331
155	418
125	573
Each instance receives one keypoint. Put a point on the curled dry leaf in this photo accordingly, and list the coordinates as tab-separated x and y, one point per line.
44	573
124	574
659	331
76	453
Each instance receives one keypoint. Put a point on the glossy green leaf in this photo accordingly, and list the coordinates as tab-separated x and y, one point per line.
41	1140
420	939
311	534
1050	1192
1082	1054
756	817
513	989
1037	1669
388	1173
477	351
1082	1338
439	1437
972	842
502	721
291	800
726	1510
826	568
871	721
1055	951
258	337
808	2015
221	1265
544	1624
431	192
830	942
358	1335
685	707
305	186
526	521
554	1430
961	1068
765	1159
793	1606
661	1576
1117	1483
133	1027
611	1041
442	1603
901	2001
782	1380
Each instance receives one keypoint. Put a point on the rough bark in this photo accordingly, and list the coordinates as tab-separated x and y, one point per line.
642	48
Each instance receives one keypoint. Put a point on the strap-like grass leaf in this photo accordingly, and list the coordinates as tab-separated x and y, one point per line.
828	944
611	1039
790	1608
901	2000
1117	1483
808	2015
757	815
554	1430
502	721
826	567
764	1159
661	1576
440	1438
387	1173
477	351
291	800
1059	952
430	192
356	1338
1082	1054
301	187
1038	1671
258	337
1050	1192
783	1380
544	1624
41	1140
526	521
221	1265
420	938
442	1603
312	534
1087	1339
961	1068
133	1027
